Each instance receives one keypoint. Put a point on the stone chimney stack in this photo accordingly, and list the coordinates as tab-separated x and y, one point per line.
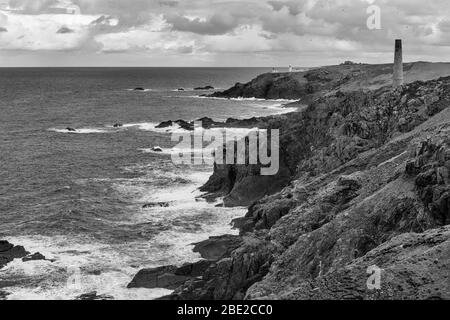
398	64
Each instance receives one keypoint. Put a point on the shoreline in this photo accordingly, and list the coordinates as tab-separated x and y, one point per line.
230	124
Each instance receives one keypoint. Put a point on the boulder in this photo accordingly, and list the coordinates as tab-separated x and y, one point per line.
9	252
139	89
215	248
160	277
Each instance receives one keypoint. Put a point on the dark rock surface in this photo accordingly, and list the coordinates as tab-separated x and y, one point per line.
34	257
216	248
208	123
204	88
168	277
9	252
4	295
139	89
156	204
94	296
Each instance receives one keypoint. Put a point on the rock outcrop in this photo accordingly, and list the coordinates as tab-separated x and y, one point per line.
9	252
168	277
368	187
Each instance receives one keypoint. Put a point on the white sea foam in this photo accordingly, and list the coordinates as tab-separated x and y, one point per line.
81	130
152	126
49	280
108	268
244	99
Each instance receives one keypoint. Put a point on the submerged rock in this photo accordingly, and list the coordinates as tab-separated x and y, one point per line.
157	149
156	204
204	88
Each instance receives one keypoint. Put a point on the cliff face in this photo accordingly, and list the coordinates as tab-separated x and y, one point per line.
369	186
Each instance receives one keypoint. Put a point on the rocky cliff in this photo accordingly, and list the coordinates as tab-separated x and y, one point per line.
364	182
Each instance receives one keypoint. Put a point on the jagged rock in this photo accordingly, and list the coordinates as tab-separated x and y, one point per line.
71	129
195	269
160	277
216	248
9	252
4	295
230	277
156	204
34	257
413	267
94	296
118	125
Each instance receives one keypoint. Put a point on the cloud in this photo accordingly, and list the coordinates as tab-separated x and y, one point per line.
171	4
292	6
214	25
65	30
2	29
272	30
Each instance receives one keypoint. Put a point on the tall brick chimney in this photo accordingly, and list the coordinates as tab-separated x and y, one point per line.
398	64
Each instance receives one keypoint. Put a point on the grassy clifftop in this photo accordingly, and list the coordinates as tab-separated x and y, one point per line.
327	80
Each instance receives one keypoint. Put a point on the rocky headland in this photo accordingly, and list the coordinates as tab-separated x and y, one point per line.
363	181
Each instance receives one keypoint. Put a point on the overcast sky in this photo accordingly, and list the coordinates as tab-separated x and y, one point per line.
218	33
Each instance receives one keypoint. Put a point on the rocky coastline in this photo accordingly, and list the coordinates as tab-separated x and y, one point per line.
363	181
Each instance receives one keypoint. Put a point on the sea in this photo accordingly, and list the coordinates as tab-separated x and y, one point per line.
78	197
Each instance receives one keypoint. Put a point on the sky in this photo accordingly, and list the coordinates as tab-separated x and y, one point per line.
220	33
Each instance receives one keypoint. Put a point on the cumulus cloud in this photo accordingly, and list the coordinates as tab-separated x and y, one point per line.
298	31
216	24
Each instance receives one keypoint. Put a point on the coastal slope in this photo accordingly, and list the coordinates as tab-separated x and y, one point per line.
369	187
